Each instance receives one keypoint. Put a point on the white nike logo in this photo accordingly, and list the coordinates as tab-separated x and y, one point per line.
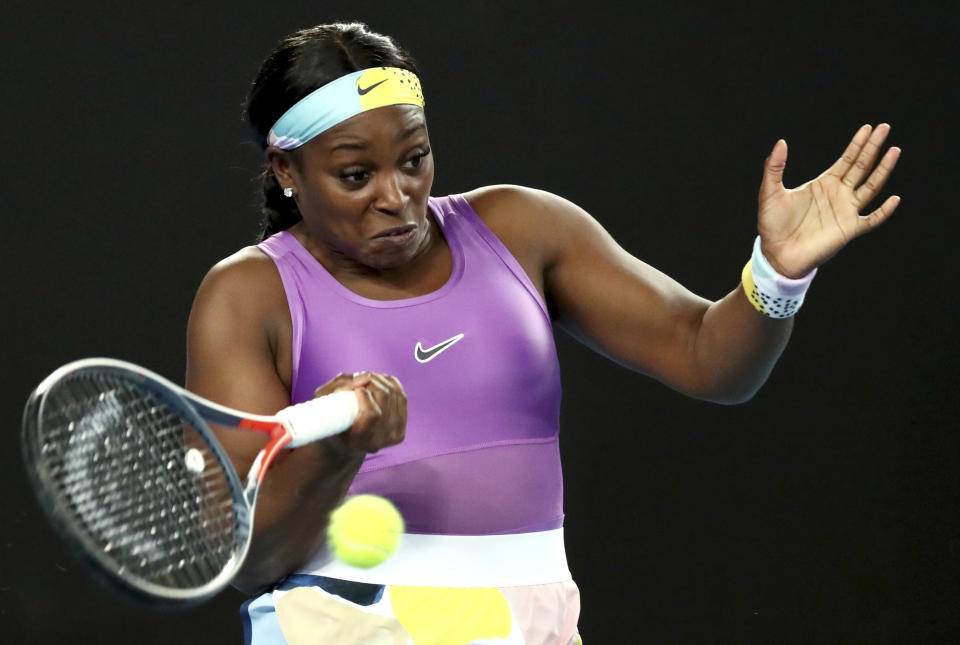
426	355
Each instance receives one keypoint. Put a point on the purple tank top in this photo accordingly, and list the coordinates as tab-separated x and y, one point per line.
478	362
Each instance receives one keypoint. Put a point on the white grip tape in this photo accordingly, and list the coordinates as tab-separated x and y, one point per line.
319	418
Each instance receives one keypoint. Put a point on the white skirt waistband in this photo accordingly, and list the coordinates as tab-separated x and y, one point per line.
459	561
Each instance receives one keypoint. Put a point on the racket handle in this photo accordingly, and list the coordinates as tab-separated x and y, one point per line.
320	418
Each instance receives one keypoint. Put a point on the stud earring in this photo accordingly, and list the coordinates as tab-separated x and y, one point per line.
288	192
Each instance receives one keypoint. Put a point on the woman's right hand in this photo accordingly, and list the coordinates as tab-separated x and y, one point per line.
382	419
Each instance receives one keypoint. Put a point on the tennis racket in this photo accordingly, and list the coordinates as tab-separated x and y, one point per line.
127	470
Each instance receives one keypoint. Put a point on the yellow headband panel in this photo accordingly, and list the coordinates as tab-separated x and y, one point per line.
380	86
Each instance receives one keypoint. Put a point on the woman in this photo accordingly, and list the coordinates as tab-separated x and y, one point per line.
362	281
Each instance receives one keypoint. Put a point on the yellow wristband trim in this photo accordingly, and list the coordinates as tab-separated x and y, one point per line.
750	288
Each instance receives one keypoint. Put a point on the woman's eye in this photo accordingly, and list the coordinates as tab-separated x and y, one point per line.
353	176
417	159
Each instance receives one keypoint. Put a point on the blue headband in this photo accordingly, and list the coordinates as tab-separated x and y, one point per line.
341	99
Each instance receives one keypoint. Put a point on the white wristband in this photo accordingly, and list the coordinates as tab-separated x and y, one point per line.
770	293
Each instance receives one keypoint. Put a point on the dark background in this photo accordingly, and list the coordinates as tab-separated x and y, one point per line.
824	510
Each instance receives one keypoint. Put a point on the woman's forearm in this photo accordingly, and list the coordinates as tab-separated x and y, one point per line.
293	508
736	348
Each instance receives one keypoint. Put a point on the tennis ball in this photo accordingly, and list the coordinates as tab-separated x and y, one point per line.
364	530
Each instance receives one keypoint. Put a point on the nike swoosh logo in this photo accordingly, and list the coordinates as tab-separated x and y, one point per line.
362	91
426	355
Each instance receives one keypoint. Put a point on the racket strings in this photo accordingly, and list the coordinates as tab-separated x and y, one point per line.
138	480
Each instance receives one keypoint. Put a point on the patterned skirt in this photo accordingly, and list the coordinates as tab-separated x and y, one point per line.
439	593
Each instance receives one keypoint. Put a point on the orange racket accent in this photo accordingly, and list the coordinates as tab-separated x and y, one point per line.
279	437
259	426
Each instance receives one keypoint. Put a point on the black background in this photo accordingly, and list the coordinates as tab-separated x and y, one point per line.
824	510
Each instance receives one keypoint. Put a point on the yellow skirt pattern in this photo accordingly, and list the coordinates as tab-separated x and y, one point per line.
315	609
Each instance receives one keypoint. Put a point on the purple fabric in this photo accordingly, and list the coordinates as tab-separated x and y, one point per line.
480	454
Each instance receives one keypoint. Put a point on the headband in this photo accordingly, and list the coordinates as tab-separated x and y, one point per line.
341	99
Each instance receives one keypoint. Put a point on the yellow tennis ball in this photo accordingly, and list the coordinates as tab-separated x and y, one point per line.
365	530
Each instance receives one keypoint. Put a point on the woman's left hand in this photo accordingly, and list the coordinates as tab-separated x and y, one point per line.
801	228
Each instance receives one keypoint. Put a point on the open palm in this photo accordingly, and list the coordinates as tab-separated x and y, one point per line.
801	228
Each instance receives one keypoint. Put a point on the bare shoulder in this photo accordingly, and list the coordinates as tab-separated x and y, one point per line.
238	335
247	277
243	286
508	202
248	268
529	221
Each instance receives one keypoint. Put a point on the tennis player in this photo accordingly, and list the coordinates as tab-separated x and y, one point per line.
364	281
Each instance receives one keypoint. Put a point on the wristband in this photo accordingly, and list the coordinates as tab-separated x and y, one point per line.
770	293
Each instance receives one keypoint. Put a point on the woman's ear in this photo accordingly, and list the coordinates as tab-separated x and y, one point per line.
282	165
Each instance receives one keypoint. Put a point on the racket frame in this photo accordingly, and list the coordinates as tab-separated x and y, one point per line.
196	411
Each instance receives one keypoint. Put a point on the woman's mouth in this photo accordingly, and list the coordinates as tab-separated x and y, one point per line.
397	235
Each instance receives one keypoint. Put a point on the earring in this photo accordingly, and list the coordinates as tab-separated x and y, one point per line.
288	192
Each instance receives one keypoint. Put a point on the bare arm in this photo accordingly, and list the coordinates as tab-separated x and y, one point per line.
232	359
720	351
